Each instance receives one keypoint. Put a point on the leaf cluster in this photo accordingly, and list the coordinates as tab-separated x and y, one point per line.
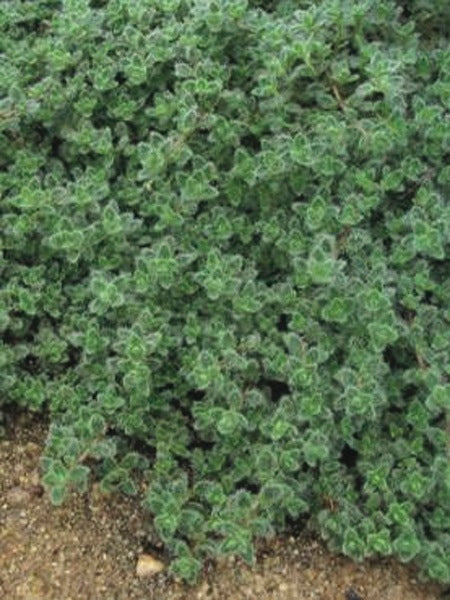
224	262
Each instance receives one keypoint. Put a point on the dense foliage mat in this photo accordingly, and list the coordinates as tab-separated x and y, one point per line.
224	263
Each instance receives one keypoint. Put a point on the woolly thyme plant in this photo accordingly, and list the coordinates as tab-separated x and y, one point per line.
224	262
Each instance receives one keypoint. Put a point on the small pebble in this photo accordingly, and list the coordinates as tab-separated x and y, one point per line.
350	594
35	478
18	496
148	565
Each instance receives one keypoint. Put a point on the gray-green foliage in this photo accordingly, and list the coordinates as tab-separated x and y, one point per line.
224	262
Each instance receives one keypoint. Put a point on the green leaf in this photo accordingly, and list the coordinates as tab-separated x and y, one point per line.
187	568
133	460
78	477
310	406
57	476
322	265
428	241
232	545
360	403
279	429
128	487
439	398
338	310
191	522
261	527
231	422
415	484
135	69
290	460
111	219
27	301
375	301
266	462
315	213
58	495
300	150
136	347
212	492
353	546
166	524
153	161
97	425
406	546
296	506
418	416
438	569
321	269
382	335
315	449
110	402
380	542
271	494
197	189
399	513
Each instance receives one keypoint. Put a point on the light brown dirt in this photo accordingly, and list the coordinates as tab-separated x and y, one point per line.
88	550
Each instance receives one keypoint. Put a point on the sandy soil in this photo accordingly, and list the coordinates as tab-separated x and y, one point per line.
88	549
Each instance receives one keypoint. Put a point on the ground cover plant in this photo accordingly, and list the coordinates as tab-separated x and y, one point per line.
224	264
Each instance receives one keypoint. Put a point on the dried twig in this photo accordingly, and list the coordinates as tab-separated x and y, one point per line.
343	107
338	97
